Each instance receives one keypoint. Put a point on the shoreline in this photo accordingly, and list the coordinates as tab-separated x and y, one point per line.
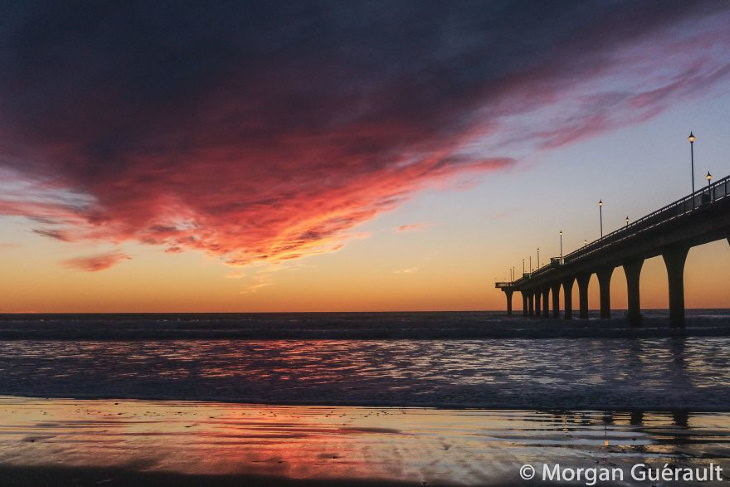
619	408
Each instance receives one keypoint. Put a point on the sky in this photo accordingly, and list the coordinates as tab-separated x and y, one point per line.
345	156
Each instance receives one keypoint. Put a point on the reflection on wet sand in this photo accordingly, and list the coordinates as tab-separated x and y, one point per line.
463	447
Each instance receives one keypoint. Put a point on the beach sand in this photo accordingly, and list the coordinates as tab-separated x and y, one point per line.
60	442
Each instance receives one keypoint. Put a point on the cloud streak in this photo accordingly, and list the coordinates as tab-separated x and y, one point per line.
262	131
412	227
97	262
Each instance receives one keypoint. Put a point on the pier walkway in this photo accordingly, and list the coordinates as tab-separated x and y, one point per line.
702	217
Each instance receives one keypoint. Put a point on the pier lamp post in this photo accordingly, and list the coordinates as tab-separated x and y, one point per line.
627	221
709	188
600	215
538	257
561	247
692	139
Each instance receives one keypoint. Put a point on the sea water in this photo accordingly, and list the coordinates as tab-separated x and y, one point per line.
457	360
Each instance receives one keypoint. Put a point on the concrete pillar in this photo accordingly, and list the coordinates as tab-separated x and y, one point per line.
556	299
524	302
545	305
632	269
674	259
604	283
538	303
508	294
568	297
531	303
583	280
637	418
681	418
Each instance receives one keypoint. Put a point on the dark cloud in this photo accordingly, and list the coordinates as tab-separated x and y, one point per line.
267	130
53	234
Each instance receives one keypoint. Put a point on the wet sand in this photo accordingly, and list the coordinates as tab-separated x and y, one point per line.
59	442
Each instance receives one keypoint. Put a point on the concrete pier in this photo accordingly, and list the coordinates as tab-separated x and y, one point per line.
632	269
674	258
568	297
583	281
670	232
524	303
604	284
555	291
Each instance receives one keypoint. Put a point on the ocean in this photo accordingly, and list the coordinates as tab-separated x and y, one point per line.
455	360
362	399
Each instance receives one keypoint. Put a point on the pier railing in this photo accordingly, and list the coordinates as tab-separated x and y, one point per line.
696	201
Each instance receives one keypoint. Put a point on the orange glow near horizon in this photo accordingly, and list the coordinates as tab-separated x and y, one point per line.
353	279
290	165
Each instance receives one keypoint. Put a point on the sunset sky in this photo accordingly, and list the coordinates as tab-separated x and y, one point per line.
345	156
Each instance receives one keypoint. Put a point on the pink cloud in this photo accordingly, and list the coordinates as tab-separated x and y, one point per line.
97	262
274	141
413	227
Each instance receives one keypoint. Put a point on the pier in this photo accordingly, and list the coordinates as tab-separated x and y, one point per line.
699	218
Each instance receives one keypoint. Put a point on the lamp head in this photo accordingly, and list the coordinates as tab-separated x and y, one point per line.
691	138
708	177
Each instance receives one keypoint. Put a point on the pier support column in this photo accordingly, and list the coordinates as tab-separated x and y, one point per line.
556	299
604	283
545	305
524	302
538	303
583	280
674	259
531	303
568	297
632	269
508	294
